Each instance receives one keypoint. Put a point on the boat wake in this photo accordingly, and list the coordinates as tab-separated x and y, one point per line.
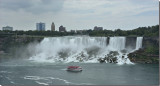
51	80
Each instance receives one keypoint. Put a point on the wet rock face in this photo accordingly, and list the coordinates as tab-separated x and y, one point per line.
131	42
148	53
7	42
108	38
111	57
150	41
101	60
140	56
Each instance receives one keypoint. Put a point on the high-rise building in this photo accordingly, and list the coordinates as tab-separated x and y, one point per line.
98	28
52	27
62	29
7	28
40	26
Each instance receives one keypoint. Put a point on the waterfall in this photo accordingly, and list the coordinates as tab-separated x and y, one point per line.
81	49
117	43
69	48
139	42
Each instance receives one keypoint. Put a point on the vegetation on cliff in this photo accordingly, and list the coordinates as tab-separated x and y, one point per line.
141	56
149	53
9	43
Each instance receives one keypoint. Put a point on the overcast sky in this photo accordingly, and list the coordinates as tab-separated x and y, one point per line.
79	14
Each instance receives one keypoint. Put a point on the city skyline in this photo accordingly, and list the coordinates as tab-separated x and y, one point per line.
52	27
79	14
40	26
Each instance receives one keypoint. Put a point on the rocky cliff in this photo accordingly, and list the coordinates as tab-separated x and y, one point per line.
149	53
7	42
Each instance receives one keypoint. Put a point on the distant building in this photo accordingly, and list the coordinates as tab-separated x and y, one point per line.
98	28
62	29
73	31
40	26
7	28
52	27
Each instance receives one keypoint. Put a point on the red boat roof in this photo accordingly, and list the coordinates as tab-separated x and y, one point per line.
73	67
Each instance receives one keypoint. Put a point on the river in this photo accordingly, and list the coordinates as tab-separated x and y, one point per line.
26	72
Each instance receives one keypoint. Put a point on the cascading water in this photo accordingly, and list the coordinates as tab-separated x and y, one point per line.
117	43
139	42
81	49
69	49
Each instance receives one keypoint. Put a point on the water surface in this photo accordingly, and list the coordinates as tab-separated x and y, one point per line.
25	72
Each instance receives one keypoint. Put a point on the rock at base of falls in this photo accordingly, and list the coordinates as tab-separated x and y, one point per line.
140	56
111	57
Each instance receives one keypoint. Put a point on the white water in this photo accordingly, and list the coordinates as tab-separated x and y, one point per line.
117	43
139	42
79	49
49	80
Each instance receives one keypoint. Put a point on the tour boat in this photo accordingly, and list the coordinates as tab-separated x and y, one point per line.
74	68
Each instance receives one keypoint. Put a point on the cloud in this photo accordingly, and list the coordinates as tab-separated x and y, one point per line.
14	4
79	14
33	6
149	13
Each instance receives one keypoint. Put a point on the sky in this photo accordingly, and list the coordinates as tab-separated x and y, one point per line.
79	14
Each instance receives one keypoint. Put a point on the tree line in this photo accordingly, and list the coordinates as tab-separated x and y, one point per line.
140	31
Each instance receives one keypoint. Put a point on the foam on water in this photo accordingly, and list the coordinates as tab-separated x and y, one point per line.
5	72
50	80
123	60
80	49
41	83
